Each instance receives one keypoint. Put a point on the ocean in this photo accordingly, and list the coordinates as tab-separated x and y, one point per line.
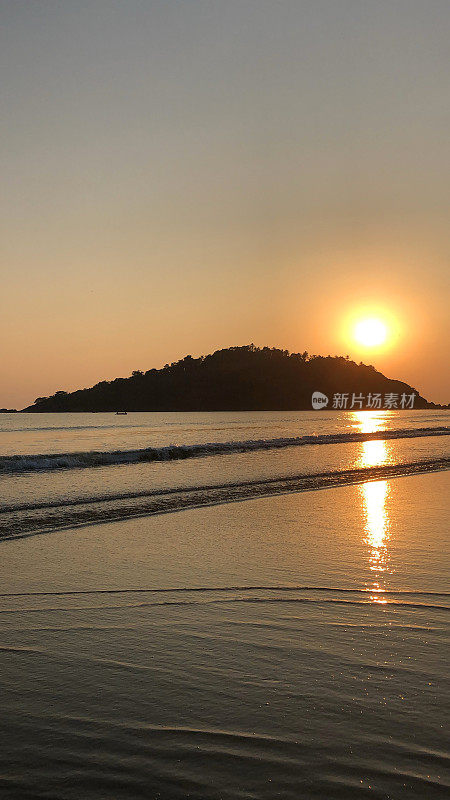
224	605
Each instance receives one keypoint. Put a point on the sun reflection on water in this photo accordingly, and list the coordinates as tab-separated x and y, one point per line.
375	496
377	452
373	454
376	533
369	421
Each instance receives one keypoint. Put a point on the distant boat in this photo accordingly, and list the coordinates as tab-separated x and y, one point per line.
121	412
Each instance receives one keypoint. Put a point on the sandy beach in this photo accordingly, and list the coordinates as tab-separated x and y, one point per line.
137	663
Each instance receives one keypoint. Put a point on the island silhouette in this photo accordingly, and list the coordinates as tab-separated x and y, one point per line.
244	378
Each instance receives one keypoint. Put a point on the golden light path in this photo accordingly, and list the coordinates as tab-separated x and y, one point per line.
375	495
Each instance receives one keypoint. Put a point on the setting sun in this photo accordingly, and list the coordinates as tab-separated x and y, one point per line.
224	297
370	332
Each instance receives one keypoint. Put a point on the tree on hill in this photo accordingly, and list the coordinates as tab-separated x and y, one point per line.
234	379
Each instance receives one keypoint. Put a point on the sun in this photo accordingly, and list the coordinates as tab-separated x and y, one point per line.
370	332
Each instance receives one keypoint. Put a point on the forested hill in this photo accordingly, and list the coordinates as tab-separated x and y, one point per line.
235	379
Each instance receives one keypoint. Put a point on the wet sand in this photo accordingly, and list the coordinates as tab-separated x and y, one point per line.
335	688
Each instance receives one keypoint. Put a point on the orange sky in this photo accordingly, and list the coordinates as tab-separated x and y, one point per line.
183	177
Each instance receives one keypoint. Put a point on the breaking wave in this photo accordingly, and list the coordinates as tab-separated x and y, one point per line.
94	458
42	517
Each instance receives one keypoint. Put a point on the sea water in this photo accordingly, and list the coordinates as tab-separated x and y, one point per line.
285	635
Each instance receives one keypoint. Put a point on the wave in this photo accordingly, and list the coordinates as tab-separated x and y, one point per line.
94	458
262	599
28	520
214	589
292	600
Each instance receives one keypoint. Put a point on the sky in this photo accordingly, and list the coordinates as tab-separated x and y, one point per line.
185	175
